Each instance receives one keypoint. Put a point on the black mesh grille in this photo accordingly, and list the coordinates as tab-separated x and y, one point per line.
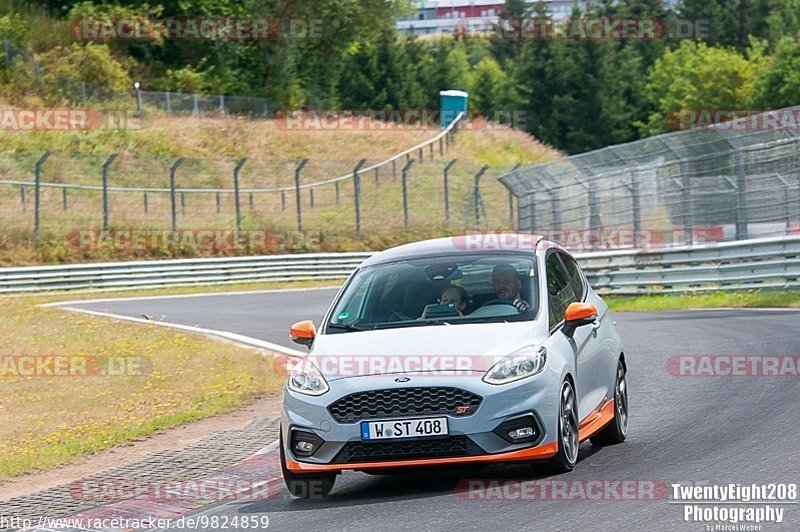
452	446
404	402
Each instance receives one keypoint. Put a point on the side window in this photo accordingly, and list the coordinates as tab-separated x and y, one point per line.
574	274
560	292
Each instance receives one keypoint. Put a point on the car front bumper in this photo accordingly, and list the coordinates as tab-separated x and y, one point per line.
471	438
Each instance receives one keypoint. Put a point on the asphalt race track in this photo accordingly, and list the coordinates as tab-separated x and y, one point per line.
700	429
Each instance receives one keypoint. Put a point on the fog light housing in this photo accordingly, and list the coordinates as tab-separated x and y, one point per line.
523	429
305	443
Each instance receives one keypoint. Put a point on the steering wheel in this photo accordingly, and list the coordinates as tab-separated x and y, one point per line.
499	302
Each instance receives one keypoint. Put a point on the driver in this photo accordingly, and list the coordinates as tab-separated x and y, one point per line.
507	286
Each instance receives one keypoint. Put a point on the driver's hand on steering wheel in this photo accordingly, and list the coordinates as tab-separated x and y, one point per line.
521	305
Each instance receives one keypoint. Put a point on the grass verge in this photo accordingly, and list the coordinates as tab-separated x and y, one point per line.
747	299
169	378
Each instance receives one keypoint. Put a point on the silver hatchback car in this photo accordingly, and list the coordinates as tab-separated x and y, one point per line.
462	350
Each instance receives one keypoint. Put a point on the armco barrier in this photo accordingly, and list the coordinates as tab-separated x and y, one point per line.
768	263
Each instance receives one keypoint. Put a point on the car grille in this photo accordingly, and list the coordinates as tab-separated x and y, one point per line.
453	446
404	402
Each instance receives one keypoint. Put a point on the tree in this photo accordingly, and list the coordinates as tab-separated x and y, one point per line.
696	77
778	82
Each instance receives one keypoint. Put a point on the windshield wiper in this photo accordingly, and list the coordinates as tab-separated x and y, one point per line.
345	327
413	323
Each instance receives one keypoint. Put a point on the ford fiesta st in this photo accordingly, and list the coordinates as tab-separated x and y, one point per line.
450	352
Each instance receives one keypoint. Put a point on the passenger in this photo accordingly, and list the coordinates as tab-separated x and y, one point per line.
453	294
507	286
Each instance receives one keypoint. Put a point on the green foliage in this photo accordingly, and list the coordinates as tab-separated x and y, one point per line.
778	85
696	76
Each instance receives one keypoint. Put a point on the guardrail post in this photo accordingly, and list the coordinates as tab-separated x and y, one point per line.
173	206
406	168
236	196
64	198
37	171
298	199
357	194
105	189
446	172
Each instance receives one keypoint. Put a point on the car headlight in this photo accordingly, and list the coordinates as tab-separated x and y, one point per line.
520	364
305	378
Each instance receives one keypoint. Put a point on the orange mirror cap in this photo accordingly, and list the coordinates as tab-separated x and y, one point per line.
580	311
303	329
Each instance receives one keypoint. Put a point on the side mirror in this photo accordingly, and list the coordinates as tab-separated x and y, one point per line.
303	332
578	315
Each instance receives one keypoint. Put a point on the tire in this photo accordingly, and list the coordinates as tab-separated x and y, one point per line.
304	486
616	429
568	439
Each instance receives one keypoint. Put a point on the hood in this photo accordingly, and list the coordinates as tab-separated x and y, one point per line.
433	349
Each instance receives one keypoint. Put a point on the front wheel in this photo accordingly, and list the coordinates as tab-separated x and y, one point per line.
617	428
568	441
304	486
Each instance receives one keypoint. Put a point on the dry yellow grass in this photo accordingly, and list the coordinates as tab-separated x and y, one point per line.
47	420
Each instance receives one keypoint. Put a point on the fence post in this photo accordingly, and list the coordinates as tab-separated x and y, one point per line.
556	210
218	202
22	194
173	206
7	52
83	92
298	199
167	103
37	170
477	195
222	103
236	197
441	151
250	200
37	72
138	99
336	186
741	198
511	199
431	148
394	169
377	177
105	189
311	197
183	203
64	198
421	155
406	168
633	187
446	172
145	202
195	109
357	194
283	200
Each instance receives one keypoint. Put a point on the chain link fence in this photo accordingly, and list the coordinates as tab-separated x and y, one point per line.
730	181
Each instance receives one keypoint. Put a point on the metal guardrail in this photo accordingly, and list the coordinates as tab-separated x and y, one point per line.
769	263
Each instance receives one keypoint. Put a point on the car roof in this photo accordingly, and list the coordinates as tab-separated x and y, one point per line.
472	244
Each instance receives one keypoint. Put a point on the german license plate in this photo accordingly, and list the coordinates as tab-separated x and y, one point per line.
403	428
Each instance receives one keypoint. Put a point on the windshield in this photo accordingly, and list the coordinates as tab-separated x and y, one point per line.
438	290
